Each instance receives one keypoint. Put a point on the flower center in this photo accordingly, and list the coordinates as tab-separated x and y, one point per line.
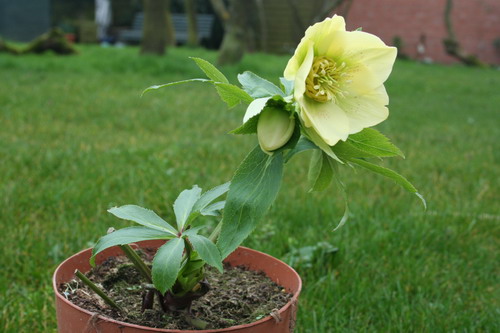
326	80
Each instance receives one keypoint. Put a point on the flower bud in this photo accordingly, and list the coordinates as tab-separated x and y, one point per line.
274	128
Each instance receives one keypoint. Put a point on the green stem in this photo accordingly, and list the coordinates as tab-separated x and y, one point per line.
97	290
196	322
216	232
137	261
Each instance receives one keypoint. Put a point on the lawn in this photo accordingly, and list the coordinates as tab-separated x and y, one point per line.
77	139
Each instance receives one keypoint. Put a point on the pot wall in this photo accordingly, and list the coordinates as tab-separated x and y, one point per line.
72	319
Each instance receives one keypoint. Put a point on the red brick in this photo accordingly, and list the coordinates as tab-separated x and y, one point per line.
476	24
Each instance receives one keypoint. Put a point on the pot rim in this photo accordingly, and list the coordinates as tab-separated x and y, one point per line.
153	329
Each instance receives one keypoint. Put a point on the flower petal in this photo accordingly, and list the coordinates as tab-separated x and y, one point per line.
297	59
255	107
369	61
347	43
372	70
321	31
303	71
328	120
315	34
318	141
378	60
366	110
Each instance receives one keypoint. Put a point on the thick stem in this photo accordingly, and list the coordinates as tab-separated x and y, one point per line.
97	290
148	299
213	236
137	261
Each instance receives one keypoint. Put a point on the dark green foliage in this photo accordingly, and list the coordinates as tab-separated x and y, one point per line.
51	41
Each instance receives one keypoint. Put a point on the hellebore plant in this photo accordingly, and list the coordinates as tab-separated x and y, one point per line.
178	266
331	93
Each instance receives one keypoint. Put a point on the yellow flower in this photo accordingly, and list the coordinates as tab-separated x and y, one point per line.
339	80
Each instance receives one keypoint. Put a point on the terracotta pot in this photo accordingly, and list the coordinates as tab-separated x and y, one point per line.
73	319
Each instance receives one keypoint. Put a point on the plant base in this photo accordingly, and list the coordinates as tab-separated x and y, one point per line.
72	318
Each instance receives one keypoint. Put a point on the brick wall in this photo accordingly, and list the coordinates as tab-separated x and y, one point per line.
476	24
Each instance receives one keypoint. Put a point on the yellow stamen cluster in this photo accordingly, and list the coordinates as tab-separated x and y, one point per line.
326	80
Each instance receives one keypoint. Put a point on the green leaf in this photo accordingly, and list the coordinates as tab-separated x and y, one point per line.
172	84
183	205
367	143
207	251
210	196
287	86
320	171
253	189
231	94
192	266
214	209
258	87
193	231
167	264
402	181
126	236
210	70
143	216
302	145
248	127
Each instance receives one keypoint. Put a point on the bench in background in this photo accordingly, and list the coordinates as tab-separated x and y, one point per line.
204	24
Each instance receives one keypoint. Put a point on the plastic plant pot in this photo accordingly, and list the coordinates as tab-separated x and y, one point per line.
73	319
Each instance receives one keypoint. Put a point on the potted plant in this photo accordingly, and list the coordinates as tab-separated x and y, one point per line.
331	94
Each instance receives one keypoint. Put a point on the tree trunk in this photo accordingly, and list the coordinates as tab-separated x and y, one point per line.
154	33
263	33
220	9
322	9
233	44
451	44
190	6
170	26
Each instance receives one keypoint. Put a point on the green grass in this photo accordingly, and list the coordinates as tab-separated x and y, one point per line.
76	139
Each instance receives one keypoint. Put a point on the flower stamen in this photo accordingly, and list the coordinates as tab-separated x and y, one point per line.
326	80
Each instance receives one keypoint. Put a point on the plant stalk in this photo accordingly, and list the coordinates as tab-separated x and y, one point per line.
137	261
196	322
213	236
97	290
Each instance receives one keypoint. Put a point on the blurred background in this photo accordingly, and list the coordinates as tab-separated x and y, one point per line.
76	138
443	31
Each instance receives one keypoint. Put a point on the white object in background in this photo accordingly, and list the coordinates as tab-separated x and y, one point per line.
102	18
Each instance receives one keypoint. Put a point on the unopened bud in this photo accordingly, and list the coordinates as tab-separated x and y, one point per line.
274	129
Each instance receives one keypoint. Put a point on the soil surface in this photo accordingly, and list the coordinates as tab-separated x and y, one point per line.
238	296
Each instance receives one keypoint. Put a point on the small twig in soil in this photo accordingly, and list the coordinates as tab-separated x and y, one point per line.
97	290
